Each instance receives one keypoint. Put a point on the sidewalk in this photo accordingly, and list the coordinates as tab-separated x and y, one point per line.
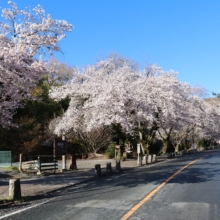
38	185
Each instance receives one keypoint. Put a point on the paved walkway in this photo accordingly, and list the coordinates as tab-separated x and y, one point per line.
36	185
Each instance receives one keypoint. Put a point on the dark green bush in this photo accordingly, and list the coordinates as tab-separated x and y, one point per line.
110	151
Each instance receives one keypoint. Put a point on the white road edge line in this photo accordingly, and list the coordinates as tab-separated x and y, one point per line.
22	210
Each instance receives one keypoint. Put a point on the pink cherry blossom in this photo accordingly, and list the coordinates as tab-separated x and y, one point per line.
24	38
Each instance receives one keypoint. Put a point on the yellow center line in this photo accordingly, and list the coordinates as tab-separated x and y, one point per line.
145	199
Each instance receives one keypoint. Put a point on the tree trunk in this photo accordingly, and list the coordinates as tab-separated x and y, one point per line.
165	146
177	147
146	147
141	138
179	142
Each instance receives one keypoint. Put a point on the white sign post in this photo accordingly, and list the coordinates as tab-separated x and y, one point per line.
138	152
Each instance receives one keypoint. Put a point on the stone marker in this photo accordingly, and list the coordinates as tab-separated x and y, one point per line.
14	189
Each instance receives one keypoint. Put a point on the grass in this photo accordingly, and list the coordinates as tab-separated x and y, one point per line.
10	168
8	200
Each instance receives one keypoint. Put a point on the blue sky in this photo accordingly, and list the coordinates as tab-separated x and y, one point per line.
183	35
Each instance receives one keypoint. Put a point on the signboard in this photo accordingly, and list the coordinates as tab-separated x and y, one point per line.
5	159
138	148
59	147
47	143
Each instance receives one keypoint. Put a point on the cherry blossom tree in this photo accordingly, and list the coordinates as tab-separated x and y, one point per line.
57	73
181	112
193	120
103	94
24	37
165	95
210	128
199	121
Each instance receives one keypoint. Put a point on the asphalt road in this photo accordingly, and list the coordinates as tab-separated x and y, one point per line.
194	193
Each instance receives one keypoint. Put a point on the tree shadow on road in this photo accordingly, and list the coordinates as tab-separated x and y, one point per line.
203	170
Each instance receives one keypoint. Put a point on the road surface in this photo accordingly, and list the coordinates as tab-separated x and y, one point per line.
172	190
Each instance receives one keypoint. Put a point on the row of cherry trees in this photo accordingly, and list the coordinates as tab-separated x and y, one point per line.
146	104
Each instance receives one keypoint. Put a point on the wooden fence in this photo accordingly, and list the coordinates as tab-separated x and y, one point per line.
42	164
47	163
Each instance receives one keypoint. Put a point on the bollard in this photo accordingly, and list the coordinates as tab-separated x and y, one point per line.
149	159
98	170
170	155
118	165
140	161
144	160
108	167
154	158
14	189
